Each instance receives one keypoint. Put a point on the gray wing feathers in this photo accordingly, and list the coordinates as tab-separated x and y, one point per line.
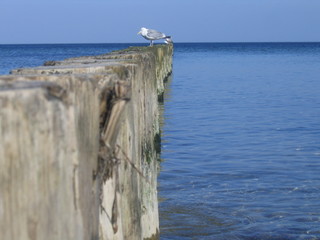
155	34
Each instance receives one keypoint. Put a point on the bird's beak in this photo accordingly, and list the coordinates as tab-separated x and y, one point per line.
139	33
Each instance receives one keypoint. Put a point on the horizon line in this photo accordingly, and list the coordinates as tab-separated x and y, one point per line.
157	43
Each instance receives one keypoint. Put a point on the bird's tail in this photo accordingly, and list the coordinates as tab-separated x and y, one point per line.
168	40
168	37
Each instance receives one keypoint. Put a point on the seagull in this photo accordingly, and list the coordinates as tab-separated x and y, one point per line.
152	35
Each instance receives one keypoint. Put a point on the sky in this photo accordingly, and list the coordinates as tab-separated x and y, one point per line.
118	21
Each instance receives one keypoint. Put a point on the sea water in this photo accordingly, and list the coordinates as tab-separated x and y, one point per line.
240	137
241	142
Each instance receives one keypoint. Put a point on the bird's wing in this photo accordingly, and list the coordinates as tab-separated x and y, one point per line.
155	34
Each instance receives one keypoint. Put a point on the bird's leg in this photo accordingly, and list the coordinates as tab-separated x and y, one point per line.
151	42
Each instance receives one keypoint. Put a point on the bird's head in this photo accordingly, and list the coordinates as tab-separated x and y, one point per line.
142	30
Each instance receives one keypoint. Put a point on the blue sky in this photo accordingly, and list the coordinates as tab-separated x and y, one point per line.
118	21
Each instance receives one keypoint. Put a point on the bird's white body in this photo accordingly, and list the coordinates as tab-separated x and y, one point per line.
152	35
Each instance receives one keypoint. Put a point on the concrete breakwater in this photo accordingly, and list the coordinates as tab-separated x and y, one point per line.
79	142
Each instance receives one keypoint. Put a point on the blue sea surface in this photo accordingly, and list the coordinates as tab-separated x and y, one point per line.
241	142
241	137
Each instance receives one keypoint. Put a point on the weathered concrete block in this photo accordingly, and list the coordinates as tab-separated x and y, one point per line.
39	165
78	158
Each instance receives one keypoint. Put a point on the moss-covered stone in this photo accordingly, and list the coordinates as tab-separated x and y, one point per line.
147	152
155	236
